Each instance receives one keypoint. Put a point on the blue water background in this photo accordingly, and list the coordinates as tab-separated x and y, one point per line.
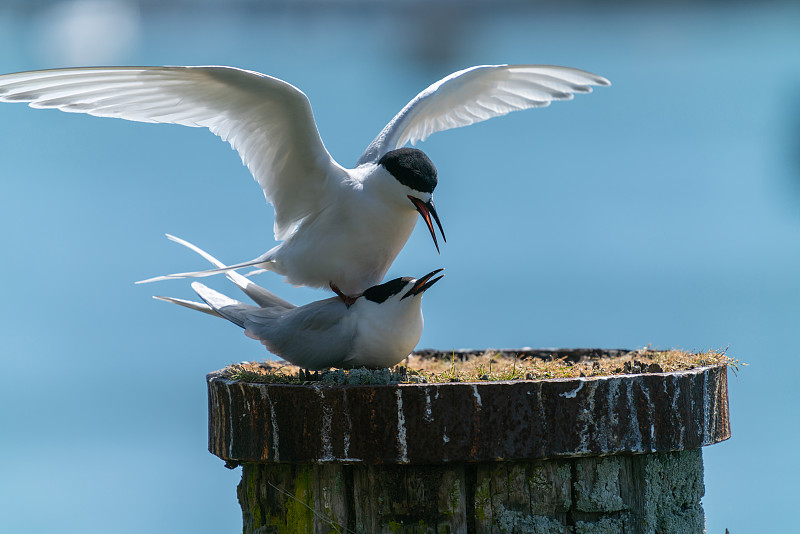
664	210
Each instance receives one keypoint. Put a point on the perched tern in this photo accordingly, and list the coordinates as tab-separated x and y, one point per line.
339	228
379	329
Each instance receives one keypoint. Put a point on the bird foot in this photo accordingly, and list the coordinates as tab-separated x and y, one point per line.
348	301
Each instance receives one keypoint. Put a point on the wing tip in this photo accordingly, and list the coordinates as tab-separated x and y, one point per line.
154	279
600	80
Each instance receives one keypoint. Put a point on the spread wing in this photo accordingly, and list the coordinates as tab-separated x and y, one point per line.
268	121
476	94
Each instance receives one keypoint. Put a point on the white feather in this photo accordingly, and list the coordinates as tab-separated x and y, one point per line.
258	294
268	121
477	94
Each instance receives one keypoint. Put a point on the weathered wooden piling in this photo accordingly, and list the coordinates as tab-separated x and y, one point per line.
580	456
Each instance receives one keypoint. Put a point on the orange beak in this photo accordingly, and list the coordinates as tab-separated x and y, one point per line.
426	210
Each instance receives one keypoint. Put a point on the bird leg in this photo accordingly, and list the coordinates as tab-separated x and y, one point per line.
348	301
305	375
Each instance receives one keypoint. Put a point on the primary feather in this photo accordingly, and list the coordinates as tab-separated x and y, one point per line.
477	94
268	121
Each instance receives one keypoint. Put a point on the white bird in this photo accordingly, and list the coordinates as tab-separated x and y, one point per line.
340	228
379	329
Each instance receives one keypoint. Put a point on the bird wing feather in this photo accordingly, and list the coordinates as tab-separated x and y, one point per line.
268	121
314	336
226	307
192	305
477	94
259	295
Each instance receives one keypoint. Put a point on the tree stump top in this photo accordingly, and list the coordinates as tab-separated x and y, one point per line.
439	423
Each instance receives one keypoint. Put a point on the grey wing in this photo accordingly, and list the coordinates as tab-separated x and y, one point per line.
268	121
315	336
477	94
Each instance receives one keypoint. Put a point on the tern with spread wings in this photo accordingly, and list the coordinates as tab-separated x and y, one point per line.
339	228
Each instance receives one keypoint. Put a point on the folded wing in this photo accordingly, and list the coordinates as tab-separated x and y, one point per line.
315	336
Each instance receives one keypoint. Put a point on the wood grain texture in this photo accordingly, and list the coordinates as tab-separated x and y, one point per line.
457	422
627	494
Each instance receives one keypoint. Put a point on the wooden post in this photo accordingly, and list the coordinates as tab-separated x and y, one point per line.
578	456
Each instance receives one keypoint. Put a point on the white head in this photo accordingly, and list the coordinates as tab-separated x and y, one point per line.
417	176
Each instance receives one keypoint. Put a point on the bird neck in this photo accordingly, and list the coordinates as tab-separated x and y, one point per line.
379	184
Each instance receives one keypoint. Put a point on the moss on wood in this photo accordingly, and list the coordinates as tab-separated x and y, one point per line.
489	365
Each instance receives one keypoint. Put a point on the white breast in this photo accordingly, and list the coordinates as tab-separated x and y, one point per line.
387	332
352	242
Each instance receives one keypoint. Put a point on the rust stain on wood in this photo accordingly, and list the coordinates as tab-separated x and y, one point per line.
456	422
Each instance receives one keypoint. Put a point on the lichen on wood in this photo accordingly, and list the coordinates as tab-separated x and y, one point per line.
631	494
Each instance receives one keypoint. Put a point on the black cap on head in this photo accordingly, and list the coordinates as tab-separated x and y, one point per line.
412	168
384	291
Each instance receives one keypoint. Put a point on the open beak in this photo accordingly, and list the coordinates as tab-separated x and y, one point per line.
424	283
426	209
